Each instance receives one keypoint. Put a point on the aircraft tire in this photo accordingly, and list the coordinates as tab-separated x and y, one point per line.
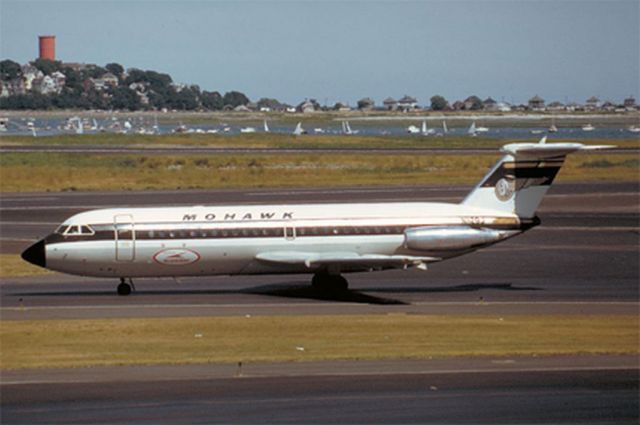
124	289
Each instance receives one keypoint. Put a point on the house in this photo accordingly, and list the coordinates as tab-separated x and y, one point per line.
30	73
555	106
490	105
390	104
629	103
306	107
16	86
407	103
45	85
608	106
592	103
366	104
536	103
503	107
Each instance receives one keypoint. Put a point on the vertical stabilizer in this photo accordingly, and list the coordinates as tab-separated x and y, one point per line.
520	179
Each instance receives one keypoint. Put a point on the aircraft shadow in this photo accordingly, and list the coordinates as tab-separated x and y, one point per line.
301	290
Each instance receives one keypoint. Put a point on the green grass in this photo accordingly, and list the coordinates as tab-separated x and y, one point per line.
24	172
11	265
81	343
274	140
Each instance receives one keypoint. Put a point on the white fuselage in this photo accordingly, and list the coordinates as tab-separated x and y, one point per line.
226	240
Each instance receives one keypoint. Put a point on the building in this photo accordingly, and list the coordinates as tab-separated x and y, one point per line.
306	107
407	103
556	106
489	104
29	74
366	104
390	104
45	85
536	103
47	47
592	103
630	102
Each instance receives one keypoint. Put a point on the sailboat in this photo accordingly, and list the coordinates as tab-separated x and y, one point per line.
481	129
266	127
346	128
299	130
156	128
445	130
472	129
553	128
424	130
588	127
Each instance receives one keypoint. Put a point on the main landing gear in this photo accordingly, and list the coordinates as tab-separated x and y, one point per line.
125	287
330	282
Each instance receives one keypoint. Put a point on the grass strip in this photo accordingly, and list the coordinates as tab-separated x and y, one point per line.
27	172
82	343
11	265
286	141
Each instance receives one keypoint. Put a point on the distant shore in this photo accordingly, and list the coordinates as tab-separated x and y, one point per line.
621	119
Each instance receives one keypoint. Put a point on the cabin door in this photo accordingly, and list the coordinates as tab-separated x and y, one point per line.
125	237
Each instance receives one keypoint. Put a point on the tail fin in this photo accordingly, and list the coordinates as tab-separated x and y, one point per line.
519	181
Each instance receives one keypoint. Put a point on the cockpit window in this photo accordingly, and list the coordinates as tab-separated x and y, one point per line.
73	230
77	230
61	229
86	230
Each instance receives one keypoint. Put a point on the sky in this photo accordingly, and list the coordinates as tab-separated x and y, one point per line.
346	50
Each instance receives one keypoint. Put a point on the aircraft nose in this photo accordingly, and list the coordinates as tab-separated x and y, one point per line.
35	254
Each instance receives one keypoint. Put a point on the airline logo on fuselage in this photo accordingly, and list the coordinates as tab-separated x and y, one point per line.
238	216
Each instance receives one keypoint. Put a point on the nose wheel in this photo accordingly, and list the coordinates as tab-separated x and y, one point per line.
124	288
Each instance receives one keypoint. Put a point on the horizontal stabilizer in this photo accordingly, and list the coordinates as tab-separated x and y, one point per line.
317	259
543	150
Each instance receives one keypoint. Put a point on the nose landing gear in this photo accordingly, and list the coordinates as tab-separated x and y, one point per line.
124	288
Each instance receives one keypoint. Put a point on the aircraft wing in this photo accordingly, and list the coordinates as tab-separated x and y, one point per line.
347	258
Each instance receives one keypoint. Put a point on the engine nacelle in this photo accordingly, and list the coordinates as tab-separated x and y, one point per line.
449	238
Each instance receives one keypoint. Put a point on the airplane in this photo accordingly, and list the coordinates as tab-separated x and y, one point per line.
326	240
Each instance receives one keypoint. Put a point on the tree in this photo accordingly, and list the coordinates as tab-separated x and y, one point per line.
475	102
115	68
47	66
9	70
234	99
438	103
125	98
269	103
212	100
186	99
95	71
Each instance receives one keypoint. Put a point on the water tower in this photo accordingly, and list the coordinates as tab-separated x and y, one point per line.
48	47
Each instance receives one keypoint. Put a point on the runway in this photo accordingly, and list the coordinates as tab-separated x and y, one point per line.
583	259
445	392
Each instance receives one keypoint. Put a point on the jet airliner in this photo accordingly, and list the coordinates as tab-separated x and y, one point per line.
326	240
